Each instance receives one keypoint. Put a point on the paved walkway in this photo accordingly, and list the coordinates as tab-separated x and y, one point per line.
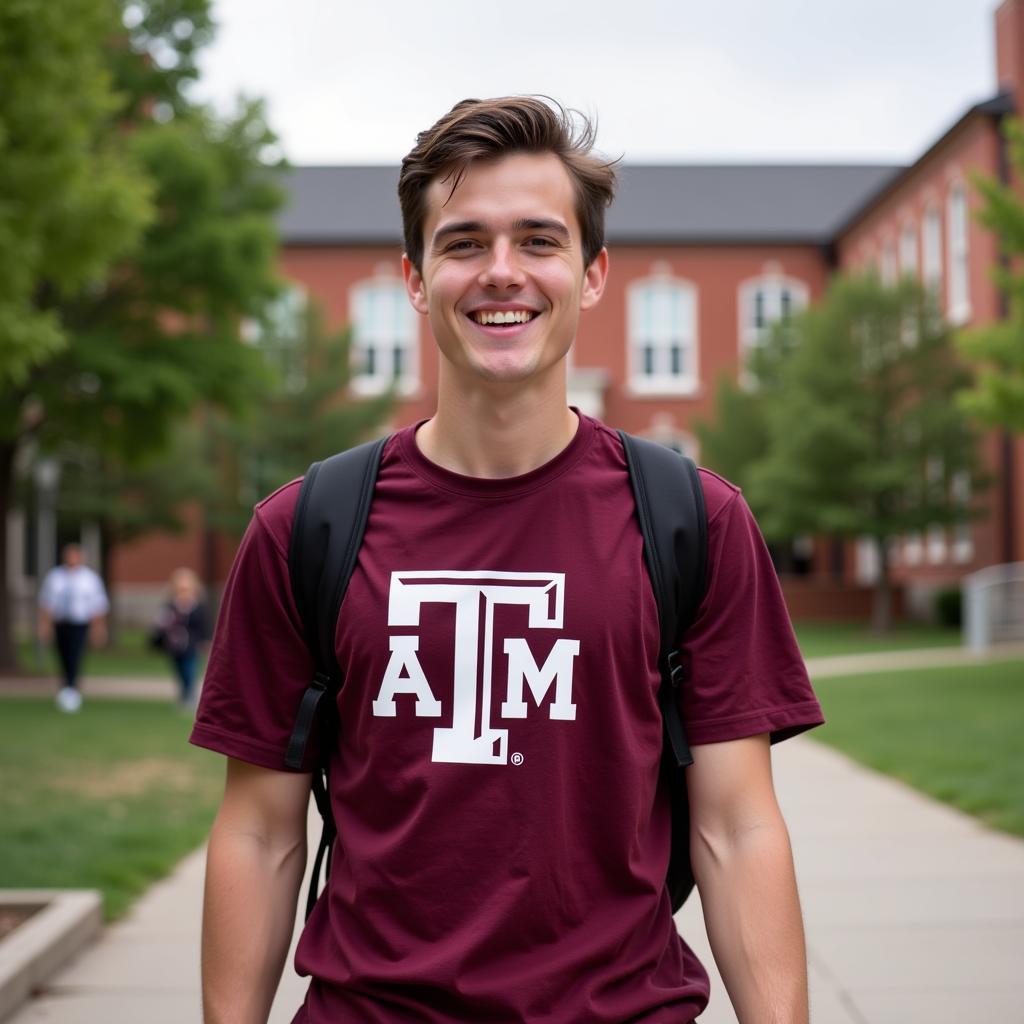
914	912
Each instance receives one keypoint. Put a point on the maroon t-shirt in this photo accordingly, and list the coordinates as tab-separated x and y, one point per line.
503	832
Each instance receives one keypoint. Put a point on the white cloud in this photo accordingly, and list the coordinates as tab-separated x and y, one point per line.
669	79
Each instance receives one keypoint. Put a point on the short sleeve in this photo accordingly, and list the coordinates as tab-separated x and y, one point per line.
100	604
745	671
259	665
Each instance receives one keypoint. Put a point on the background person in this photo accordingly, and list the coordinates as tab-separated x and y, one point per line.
72	603
182	628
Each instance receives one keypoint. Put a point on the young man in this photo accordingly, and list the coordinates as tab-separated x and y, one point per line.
503	826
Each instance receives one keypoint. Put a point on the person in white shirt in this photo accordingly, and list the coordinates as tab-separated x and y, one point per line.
72	603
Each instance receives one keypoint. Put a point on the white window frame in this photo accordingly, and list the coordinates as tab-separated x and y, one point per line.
888	270
908	249
963	534
771	288
676	438
913	549
384	326
284	325
931	249
958	304
868	567
935	546
662	317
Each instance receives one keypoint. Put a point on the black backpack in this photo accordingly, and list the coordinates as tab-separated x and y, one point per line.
330	519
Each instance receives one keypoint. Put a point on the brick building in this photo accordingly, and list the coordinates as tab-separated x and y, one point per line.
703	259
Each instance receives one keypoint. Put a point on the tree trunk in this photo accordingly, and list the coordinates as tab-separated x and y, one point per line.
881	609
8	654
107	542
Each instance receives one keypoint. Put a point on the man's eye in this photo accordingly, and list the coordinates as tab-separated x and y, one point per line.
539	241
462	245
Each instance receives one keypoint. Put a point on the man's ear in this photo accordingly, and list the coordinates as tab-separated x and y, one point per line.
594	279
414	286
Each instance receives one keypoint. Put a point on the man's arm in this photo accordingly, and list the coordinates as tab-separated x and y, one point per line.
743	864
254	868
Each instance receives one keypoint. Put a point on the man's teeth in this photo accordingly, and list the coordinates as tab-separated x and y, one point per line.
512	316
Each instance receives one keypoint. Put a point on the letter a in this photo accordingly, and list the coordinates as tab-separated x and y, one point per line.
403	658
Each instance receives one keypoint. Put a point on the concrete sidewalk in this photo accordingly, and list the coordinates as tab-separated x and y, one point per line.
914	912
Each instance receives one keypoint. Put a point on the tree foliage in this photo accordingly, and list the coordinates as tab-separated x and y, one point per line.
72	199
996	351
860	433
302	416
737	438
136	233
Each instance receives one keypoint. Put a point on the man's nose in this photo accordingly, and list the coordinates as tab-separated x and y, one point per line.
502	268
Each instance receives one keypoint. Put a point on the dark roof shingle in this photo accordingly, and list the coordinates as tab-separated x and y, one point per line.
659	204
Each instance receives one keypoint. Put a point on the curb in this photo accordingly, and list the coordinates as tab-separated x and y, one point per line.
69	920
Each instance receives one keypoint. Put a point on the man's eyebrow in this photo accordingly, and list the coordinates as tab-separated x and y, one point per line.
462	227
476	227
554	226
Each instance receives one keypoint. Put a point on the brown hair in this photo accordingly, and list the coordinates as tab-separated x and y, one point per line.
489	129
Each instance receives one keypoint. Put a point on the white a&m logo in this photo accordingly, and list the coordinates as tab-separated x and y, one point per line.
471	739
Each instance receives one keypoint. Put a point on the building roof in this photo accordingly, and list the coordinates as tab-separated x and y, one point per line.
995	108
655	204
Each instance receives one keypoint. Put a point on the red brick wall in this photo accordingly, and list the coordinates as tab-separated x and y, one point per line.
972	150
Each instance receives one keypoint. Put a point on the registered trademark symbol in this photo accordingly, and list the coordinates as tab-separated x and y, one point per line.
517	758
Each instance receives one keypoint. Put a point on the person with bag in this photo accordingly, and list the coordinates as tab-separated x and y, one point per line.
181	630
489	735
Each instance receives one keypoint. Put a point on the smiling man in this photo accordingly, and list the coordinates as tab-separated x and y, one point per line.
503	824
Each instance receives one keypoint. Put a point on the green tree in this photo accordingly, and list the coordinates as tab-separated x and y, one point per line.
733	442
303	414
137	345
129	499
996	351
72	200
863	437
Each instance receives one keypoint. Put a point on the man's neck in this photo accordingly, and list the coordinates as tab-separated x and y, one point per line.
495	436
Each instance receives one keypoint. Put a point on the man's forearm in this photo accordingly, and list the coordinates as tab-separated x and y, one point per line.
752	911
248	918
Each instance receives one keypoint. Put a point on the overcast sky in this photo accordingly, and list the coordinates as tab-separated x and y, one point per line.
669	80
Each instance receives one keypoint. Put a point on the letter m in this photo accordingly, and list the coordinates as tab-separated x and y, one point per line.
557	668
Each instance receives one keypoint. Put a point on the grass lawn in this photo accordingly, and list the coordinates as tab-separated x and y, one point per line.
110	798
952	732
822	640
132	656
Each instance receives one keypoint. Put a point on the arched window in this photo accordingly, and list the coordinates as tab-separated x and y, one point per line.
931	250
764	301
889	271
664	430
908	250
959	295
662	336
282	335
384	335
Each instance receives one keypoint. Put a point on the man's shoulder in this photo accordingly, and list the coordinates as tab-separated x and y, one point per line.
274	514
719	493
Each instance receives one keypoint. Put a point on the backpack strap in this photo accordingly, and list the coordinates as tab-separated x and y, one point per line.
673	522
330	520
670	508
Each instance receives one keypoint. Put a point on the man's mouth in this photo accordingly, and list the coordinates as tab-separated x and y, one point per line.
500	318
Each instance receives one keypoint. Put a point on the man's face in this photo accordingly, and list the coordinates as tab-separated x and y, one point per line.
503	281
